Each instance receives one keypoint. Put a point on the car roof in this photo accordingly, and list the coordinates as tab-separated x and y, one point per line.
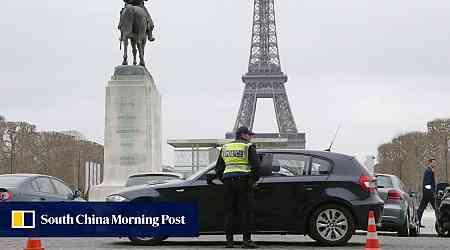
157	174
31	176
326	154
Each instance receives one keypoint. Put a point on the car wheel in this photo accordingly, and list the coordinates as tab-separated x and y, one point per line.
414	231
147	241
414	228
439	230
404	228
331	225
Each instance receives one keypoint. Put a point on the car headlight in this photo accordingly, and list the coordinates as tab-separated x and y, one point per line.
116	198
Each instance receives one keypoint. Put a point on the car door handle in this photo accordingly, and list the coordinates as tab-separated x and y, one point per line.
311	187
42	199
179	190
263	189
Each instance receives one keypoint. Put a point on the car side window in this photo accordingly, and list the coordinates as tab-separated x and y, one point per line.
45	186
210	172
290	165
320	166
35	186
62	189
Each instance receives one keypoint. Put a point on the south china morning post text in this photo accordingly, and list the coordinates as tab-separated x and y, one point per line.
99	219
85	219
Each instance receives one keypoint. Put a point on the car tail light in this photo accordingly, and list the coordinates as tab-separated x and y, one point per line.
368	183
6	196
394	195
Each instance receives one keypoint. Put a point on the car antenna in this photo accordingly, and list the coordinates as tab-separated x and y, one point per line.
334	139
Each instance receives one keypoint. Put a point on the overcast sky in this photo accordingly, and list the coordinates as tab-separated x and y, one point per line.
379	67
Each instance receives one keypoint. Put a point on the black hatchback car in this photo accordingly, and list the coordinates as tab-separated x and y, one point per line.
322	194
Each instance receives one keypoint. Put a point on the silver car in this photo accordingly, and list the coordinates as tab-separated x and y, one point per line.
33	187
399	206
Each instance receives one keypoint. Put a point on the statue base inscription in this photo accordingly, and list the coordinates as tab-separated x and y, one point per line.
132	129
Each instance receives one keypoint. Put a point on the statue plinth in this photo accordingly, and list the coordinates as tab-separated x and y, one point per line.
132	129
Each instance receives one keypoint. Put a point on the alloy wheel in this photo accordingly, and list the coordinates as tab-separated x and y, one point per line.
332	224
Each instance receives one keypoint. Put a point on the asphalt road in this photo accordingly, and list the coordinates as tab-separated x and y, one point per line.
427	240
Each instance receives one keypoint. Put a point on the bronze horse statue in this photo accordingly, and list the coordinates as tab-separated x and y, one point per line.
133	28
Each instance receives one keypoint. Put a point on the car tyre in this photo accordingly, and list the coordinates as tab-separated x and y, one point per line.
415	230
147	241
441	232
331	225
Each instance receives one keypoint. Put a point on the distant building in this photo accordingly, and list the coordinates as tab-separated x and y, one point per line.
193	155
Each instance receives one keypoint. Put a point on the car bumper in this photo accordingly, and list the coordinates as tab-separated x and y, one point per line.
362	213
393	217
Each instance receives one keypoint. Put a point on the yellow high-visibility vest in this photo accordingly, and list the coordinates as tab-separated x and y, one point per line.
235	156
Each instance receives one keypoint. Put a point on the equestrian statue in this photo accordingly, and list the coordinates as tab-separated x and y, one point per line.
136	26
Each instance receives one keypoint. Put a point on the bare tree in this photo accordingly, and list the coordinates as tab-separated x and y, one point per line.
15	138
406	155
22	149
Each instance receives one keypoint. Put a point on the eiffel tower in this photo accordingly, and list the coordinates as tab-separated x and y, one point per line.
265	79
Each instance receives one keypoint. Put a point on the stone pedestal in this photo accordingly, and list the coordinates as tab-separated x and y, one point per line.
132	129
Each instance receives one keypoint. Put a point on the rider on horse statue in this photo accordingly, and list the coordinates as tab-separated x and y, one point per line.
150	25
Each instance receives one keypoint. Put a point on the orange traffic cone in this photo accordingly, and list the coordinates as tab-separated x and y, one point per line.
372	242
34	244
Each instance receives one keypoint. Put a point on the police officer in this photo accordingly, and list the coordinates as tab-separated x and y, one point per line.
429	189
236	168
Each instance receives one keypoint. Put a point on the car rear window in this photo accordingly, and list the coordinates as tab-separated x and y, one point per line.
11	181
384	181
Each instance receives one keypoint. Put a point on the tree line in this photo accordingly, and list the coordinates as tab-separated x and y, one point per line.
25	150
406	155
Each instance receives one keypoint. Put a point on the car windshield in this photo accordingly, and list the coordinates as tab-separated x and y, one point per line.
11	181
200	173
146	179
384	181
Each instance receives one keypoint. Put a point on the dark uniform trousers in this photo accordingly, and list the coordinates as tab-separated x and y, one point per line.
238	200
428	197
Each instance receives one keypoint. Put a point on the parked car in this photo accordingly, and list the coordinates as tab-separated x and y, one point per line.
33	187
322	194
400	207
442	224
153	178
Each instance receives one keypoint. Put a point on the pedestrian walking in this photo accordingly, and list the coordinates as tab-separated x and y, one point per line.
428	189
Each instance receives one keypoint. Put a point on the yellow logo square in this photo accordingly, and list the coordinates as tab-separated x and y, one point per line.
22	219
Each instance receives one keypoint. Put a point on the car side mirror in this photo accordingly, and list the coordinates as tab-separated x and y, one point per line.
412	194
265	166
211	179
